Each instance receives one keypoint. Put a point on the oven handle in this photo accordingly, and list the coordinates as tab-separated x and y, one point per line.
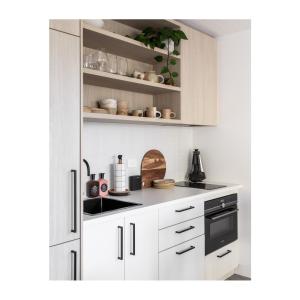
223	215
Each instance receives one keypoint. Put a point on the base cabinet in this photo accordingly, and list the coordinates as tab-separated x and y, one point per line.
183	262
121	248
102	251
141	246
220	264
65	261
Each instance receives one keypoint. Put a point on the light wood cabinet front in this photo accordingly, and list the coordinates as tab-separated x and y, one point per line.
69	26
65	261
198	78
64	137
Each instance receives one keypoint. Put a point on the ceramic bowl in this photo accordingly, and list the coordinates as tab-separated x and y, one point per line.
108	103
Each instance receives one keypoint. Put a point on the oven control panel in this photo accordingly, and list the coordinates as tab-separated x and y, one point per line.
221	202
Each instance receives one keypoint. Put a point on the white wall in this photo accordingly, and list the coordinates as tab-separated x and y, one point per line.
226	148
102	142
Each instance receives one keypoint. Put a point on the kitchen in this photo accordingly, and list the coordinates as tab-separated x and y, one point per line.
181	232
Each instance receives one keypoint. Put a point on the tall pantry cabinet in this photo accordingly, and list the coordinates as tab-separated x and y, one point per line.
64	151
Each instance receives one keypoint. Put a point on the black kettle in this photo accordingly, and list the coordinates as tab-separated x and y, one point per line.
197	174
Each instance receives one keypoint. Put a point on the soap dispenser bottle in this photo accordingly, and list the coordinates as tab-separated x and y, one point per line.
92	187
103	185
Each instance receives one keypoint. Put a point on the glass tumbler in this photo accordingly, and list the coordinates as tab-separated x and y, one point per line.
122	65
112	63
102	60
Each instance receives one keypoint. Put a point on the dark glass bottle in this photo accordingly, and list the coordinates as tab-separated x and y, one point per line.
92	187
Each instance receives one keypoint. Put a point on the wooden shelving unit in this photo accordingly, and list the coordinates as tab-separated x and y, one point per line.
115	81
138	93
97	38
107	118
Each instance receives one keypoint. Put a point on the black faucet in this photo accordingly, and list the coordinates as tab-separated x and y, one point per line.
87	167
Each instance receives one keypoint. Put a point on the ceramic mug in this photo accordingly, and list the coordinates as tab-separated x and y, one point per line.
151	112
168	114
153	77
138	74
138	113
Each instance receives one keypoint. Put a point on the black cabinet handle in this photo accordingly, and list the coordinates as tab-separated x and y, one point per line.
227	252
120	246
184	209
184	230
132	252
185	250
74	264
74	218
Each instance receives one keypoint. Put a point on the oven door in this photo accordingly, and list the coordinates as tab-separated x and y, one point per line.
221	228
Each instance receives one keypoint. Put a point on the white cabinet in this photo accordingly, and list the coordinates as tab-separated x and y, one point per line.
65	261
180	212
221	263
64	137
103	249
177	234
141	246
121	247
183	262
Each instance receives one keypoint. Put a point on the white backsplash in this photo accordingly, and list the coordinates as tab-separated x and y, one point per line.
103	142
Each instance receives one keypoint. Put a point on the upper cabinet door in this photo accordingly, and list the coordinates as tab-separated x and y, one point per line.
198	78
68	26
64	137
141	246
65	261
103	249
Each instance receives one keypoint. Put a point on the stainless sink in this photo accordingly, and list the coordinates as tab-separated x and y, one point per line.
100	205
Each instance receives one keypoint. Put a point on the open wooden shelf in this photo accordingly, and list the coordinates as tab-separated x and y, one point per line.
108	118
97	38
115	81
155	23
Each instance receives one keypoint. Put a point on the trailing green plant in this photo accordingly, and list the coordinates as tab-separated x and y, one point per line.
156	38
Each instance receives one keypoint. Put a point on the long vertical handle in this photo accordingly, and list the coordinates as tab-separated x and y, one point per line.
120	242
74	218
74	264
132	246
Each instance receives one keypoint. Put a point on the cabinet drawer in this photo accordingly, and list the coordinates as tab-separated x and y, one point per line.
183	262
221	262
174	235
180	212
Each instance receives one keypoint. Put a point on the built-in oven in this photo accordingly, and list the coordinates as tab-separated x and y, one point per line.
221	222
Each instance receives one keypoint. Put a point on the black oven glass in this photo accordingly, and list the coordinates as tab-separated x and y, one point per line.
221	226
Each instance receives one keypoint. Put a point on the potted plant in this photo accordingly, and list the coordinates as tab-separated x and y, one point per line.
164	38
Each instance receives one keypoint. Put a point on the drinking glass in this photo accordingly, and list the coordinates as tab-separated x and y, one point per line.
112	63
102	60
122	65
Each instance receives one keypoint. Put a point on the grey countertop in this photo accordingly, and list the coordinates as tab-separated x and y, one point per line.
151	197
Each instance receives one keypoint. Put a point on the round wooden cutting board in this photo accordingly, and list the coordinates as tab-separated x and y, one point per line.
153	167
